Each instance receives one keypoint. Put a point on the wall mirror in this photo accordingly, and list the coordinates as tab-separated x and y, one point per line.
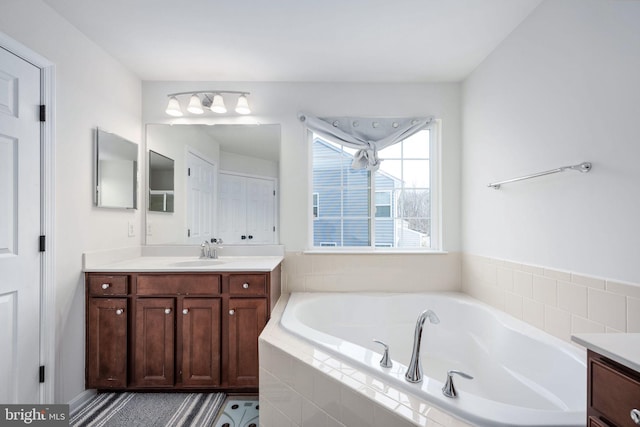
225	180
160	179
116	171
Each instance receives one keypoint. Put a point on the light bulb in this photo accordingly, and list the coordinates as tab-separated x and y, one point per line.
173	107
195	105
217	106
243	105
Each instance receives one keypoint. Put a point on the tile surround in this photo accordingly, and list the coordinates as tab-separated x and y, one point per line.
559	302
301	386
370	272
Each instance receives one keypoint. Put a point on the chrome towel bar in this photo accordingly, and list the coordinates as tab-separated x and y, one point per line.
582	167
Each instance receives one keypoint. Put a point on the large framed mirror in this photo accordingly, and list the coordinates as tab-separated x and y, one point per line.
116	171
225	184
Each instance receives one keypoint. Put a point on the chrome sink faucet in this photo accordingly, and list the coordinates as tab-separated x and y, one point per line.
414	371
213	252
205	249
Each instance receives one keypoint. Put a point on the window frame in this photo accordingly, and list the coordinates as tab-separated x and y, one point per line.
435	182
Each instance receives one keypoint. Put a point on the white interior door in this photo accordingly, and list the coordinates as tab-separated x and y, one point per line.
232	209
260	210
19	230
200	198
246	209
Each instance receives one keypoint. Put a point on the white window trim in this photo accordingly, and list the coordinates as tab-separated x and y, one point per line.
435	186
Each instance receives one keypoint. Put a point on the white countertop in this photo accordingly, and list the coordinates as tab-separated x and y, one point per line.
621	348
187	263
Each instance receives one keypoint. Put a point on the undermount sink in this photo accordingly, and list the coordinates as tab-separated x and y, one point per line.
198	263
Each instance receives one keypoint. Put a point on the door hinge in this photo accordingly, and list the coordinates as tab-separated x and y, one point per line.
41	374
274	228
43	243
188	232
43	113
274	192
188	171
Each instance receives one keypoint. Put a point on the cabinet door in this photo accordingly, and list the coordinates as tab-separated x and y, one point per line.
106	364
247	318
199	324
154	342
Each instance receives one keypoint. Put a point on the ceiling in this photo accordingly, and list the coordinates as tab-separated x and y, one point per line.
297	40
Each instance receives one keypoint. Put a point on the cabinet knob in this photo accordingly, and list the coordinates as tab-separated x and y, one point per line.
167	311
119	311
232	312
105	286
635	416
245	285
185	311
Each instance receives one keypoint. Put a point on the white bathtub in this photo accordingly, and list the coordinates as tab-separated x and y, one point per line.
522	376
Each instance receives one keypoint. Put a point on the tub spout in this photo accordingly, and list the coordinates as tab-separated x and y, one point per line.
414	371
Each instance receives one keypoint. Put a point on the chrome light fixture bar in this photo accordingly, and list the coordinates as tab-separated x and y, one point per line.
212	100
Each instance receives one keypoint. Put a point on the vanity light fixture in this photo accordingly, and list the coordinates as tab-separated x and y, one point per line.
212	100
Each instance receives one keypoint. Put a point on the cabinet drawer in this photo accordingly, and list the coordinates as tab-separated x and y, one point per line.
178	284
247	284
108	285
613	393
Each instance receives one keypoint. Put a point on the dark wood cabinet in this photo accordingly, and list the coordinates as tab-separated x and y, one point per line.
247	318
613	393
199	346
106	352
176	330
154	342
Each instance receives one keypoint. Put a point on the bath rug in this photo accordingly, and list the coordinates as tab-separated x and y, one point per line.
149	409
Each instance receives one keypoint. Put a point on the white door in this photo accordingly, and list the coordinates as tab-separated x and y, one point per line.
232	194
260	211
19	230
200	198
246	209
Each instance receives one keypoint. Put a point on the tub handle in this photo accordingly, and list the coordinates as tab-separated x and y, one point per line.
385	362
449	390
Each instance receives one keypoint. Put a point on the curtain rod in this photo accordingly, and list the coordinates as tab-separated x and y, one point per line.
582	167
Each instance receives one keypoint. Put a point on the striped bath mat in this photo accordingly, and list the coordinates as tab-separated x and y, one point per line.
149	409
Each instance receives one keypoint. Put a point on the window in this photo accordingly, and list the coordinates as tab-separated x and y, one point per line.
392	207
316	198
383	204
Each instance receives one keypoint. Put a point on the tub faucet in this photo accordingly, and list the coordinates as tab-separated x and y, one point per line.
414	371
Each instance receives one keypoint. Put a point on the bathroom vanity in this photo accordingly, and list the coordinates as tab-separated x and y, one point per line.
613	379
178	325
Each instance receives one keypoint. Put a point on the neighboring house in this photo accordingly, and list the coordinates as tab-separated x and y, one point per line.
341	201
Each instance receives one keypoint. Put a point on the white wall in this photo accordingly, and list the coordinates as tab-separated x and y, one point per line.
279	103
561	89
92	90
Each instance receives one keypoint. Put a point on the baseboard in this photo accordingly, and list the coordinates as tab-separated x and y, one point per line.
83	397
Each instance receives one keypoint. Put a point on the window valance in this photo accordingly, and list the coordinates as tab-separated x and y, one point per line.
365	134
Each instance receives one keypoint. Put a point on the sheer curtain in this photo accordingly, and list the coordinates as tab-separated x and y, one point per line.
367	135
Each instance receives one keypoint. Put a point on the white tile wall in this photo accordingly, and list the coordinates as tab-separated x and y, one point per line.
559	302
301	386
370	272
